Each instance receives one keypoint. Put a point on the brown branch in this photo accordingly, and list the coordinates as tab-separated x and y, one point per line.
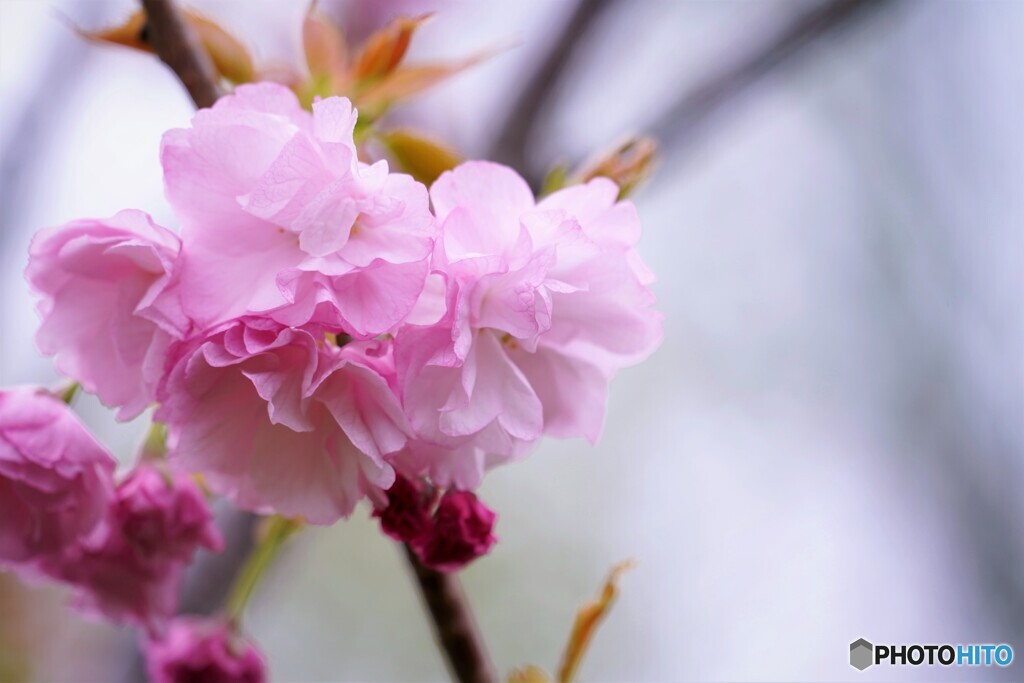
454	625
518	128
681	123
177	46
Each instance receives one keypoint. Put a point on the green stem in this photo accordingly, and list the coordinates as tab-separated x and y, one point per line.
67	394
275	531
155	445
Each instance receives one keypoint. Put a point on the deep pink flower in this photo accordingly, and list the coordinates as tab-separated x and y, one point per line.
55	479
196	650
163	516
109	304
460	531
112	584
279	215
132	571
406	516
544	303
282	420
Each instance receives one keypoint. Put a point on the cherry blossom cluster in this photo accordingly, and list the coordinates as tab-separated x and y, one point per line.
318	330
316	326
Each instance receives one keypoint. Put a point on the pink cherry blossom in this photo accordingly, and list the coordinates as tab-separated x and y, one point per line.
207	650
132	571
55	479
279	215
545	302
108	304
282	420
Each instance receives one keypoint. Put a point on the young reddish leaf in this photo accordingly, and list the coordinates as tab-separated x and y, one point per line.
229	55
404	83
325	46
587	619
529	674
422	158
384	49
129	34
628	164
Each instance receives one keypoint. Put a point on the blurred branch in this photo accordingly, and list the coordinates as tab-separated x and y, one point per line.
178	47
454	625
30	132
680	124
518	128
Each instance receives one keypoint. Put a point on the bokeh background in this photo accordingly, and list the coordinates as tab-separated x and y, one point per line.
827	446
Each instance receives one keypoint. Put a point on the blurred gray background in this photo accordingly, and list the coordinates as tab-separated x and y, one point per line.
827	446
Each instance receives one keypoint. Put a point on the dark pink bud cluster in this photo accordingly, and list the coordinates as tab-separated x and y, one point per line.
204	651
131	569
457	531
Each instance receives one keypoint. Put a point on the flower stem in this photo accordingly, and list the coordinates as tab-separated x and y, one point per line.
454	626
68	392
275	530
155	445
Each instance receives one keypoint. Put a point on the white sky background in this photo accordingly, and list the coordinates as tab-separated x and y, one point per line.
838	400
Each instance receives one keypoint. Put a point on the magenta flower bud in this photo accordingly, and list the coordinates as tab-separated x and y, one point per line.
164	518
407	515
206	650
133	571
55	479
460	533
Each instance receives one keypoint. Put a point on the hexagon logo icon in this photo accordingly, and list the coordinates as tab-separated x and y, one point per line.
861	654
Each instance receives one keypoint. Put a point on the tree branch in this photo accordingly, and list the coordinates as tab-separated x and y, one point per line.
518	128
177	46
683	120
454	625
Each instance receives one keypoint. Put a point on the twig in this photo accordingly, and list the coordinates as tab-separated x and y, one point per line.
683	120
519	126
454	625
176	44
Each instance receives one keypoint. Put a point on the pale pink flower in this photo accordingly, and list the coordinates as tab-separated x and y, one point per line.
55	479
279	215
108	304
282	420
545	302
207	650
132	571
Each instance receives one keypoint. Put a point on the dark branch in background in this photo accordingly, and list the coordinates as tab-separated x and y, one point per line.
177	46
454	626
25	144
683	121
519	127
